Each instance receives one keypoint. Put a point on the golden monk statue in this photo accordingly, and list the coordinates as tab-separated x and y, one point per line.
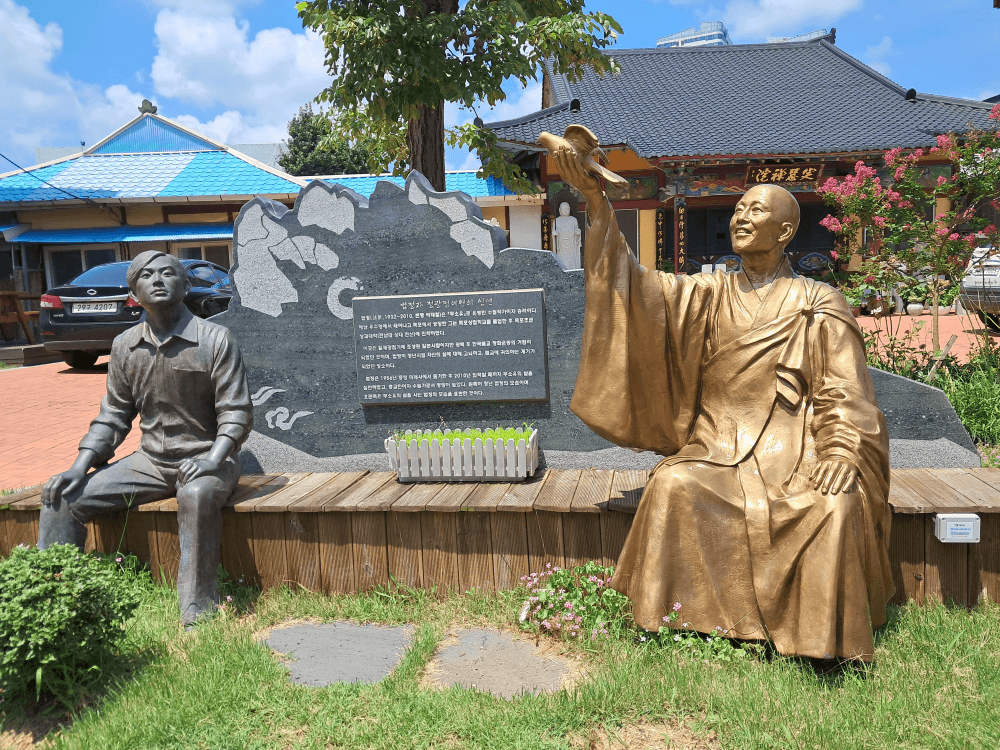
768	515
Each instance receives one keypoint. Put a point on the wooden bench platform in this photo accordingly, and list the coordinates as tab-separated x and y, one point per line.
350	531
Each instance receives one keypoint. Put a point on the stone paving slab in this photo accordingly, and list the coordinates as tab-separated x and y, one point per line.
489	660
321	654
497	663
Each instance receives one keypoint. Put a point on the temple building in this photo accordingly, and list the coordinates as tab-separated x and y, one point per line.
693	127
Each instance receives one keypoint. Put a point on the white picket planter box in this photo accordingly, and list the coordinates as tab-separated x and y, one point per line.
465	460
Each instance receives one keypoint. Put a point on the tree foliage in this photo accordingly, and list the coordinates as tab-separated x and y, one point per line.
395	64
314	149
922	228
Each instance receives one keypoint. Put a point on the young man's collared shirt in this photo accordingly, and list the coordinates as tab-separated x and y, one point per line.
187	390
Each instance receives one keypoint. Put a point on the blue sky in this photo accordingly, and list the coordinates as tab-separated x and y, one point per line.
238	70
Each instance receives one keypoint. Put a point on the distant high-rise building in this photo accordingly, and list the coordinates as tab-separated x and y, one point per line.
709	34
818	34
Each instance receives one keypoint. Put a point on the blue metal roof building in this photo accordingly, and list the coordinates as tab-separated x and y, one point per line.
153	184
148	158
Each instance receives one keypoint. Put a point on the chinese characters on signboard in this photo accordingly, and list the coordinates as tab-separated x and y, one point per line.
680	254
783	173
661	235
546	232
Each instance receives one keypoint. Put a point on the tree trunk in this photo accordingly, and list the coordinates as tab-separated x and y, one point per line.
935	323
425	135
425	139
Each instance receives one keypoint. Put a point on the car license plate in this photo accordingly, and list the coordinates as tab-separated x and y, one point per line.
95	307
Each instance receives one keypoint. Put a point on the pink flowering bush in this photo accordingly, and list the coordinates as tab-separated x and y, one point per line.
575	604
580	605
910	239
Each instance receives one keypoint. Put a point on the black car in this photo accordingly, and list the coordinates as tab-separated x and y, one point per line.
80	319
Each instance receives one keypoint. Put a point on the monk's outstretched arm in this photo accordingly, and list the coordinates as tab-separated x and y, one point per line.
642	338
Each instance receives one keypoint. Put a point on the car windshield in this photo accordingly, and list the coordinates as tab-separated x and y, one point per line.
112	274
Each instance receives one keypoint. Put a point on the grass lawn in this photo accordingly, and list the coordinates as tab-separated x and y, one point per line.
935	684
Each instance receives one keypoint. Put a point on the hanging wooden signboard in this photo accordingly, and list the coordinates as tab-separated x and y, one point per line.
780	174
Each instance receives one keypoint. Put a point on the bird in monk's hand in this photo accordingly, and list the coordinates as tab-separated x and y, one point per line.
584	143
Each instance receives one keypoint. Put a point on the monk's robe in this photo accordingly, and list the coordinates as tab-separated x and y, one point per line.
742	403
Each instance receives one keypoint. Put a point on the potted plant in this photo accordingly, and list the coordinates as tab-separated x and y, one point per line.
915	293
872	282
853	298
947	296
494	455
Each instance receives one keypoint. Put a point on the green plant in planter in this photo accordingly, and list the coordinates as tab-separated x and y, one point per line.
497	434
949	291
852	295
916	292
870	283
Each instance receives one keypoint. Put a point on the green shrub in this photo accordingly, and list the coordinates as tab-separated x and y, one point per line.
62	614
976	398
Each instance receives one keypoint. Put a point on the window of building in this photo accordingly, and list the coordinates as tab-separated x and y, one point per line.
6	263
212	252
63	264
628	223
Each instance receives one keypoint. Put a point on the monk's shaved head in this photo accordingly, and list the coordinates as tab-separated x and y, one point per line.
783	205
764	221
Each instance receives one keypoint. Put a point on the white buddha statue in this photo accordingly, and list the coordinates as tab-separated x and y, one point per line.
567	237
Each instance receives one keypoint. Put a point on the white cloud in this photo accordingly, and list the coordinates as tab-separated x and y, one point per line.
209	60
52	108
471	162
209	72
750	21
232	127
876	56
519	102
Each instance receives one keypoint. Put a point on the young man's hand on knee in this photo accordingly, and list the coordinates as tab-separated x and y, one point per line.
70	480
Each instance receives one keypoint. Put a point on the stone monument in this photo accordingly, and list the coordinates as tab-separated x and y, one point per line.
768	515
184	378
325	375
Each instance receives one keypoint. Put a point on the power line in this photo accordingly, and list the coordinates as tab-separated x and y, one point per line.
62	190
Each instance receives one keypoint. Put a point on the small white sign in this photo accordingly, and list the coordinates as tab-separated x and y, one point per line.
957	528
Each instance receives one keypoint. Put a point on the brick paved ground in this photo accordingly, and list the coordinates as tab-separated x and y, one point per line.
968	328
47	409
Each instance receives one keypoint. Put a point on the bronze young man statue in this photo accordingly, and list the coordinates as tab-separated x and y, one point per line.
184	377
768	515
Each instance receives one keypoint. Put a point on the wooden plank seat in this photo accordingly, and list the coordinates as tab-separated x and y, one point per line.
352	531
